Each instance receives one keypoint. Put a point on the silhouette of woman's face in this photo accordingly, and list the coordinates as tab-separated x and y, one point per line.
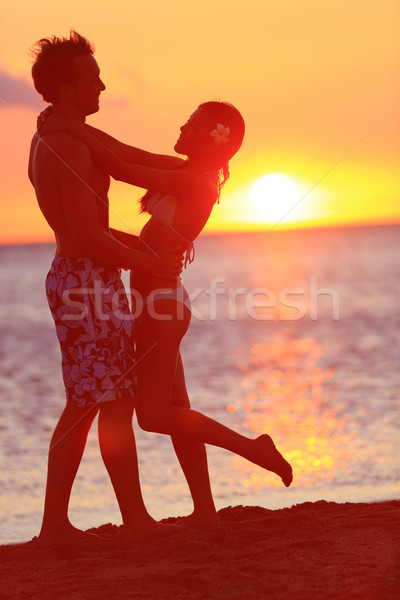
195	135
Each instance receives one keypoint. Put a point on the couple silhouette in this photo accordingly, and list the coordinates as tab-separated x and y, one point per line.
111	364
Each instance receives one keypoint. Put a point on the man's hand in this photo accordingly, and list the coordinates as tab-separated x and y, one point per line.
169	265
178	163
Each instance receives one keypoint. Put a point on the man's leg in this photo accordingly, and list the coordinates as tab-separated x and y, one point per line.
65	454
118	449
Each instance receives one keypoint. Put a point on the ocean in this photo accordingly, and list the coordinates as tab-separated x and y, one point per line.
293	333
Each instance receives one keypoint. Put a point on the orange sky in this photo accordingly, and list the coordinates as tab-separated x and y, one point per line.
311	78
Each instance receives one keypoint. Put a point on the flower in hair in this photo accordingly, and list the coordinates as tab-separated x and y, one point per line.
220	134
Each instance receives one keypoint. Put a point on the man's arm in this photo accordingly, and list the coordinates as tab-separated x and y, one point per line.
73	167
31	155
130	154
128	239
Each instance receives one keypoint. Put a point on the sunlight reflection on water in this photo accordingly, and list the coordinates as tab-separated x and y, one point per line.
279	397
284	390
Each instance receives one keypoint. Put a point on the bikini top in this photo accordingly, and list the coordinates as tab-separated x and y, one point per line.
163	209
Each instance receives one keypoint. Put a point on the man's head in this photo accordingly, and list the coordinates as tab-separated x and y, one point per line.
65	72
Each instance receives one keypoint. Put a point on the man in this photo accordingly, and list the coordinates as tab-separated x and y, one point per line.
85	292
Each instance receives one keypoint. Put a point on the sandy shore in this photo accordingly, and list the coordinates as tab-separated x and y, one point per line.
319	550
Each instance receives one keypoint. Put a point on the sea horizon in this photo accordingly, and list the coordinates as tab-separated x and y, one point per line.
266	229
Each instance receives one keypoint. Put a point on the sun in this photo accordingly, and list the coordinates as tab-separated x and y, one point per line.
275	195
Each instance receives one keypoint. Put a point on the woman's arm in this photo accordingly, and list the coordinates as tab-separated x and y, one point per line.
130	154
127	153
175	182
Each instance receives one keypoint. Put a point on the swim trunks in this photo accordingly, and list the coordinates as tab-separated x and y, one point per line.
94	327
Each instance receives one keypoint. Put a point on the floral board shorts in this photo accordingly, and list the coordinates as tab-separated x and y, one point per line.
94	327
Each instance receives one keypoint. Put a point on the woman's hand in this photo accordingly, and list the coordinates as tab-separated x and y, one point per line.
42	118
169	264
49	122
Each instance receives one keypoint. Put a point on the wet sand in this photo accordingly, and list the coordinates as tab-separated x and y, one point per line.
319	550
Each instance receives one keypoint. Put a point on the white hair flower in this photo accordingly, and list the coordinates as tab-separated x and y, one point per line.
220	134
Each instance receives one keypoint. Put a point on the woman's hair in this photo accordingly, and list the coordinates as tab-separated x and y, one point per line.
215	114
223	113
54	62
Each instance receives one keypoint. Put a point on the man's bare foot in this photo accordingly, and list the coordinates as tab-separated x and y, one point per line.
200	521
270	458
66	533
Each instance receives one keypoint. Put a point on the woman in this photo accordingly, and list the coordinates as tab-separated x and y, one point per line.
180	207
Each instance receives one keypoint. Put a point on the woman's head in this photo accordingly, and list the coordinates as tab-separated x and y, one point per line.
210	138
213	133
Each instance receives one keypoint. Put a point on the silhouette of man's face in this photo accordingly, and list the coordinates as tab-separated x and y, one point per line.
85	93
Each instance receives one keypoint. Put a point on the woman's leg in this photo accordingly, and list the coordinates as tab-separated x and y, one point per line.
192	457
191	454
157	354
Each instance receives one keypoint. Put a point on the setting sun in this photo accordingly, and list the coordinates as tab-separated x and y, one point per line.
275	196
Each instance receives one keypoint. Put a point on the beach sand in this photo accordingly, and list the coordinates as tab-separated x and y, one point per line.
311	551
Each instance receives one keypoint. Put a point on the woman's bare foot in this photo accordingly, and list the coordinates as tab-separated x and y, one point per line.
148	529
271	459
200	521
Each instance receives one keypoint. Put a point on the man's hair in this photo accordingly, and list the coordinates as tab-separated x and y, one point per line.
54	62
